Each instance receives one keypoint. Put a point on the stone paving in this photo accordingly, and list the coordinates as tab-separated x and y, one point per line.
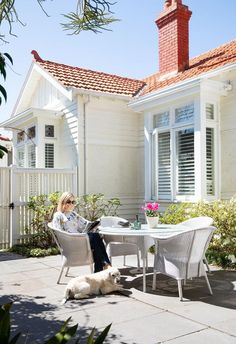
136	317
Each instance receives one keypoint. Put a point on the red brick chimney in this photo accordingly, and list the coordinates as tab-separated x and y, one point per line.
173	37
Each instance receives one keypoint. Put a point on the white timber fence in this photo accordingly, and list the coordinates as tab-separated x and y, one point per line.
17	185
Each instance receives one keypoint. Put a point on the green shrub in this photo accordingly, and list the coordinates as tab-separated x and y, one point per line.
40	240
64	335
222	249
29	251
43	208
93	206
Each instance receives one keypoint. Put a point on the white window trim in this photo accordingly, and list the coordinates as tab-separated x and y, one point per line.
173	127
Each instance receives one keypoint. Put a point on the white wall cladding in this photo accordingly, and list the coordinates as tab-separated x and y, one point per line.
228	142
68	142
114	139
46	95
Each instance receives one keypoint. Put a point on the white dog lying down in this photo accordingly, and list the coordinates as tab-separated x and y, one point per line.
102	282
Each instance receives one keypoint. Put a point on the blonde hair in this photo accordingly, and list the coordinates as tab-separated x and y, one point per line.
66	196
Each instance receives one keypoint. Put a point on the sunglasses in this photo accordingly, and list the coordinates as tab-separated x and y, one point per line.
70	202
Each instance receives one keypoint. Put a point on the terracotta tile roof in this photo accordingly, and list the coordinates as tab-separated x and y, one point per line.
90	80
213	59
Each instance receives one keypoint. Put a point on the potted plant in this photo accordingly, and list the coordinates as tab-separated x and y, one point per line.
151	213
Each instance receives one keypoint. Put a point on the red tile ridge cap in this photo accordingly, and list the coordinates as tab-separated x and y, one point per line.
213	50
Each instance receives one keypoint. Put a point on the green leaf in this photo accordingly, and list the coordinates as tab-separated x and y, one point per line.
3	70
64	335
4	149
103	335
15	338
90	337
5	323
3	91
9	57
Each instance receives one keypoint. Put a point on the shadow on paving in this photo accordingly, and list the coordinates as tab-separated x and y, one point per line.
37	321
221	282
4	256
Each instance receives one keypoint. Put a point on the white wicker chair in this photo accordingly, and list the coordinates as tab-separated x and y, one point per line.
181	256
199	222
74	247
118	245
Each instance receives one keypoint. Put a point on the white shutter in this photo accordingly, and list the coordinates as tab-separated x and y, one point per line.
210	113
210	160
154	165
49	155
164	166
185	162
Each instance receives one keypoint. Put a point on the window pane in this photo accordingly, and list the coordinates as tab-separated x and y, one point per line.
185	162
49	130
161	120
20	136
20	157
184	114
31	132
164	166
31	156
209	111
49	155
210	158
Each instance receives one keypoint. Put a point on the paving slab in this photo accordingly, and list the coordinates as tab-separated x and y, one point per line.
137	318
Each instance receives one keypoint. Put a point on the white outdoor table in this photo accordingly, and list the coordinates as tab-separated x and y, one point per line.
144	239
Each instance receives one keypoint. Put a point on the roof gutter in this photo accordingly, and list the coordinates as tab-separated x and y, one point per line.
83	91
138	103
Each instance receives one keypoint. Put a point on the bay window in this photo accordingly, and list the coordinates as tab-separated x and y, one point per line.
173	166
174	170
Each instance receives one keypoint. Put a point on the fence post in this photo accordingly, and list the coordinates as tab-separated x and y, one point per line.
13	217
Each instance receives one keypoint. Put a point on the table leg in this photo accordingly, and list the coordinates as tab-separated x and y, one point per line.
144	273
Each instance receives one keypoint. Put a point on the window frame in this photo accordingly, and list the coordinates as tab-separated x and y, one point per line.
173	128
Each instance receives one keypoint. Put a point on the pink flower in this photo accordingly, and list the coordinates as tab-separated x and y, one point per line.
155	206
151	209
149	206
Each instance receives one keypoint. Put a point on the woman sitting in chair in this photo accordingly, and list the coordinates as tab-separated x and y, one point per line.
66	219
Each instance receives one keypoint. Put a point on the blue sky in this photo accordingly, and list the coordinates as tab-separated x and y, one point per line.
130	49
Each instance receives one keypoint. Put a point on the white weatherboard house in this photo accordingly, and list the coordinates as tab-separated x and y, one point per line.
170	137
